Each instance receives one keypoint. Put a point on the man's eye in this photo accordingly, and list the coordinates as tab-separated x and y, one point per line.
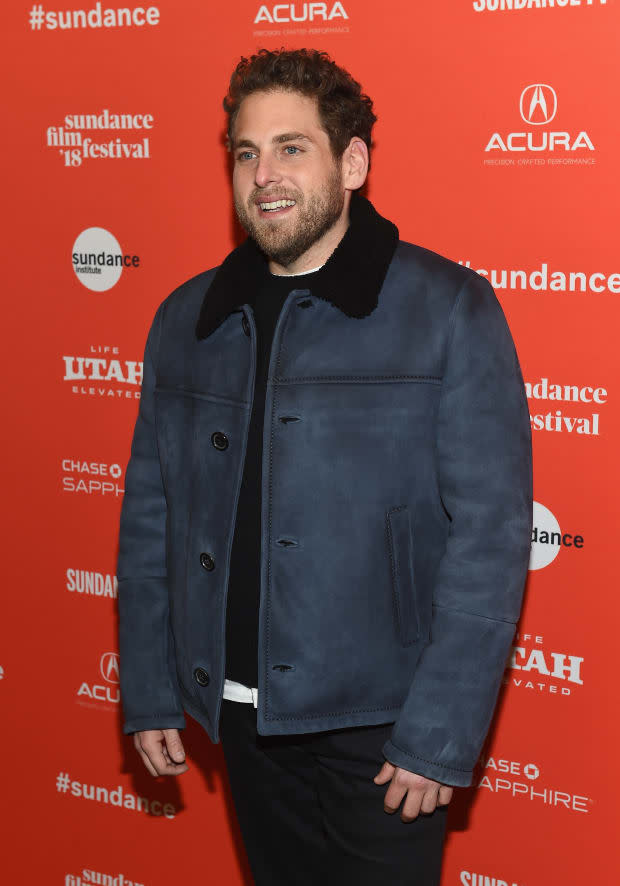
244	154
291	148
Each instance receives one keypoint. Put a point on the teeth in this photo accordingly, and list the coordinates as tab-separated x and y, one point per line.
277	204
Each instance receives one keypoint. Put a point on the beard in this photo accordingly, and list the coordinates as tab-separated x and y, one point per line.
285	241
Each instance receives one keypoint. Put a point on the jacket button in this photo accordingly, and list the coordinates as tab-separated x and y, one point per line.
246	325
201	676
219	440
207	561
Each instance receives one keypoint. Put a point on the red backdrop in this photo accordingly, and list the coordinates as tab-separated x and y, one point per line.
497	145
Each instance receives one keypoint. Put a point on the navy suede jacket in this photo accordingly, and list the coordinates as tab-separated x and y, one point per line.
396	501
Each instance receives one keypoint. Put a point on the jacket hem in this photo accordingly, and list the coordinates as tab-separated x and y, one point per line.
300	723
199	715
154	721
449	775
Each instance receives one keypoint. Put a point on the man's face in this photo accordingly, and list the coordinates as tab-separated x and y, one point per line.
280	152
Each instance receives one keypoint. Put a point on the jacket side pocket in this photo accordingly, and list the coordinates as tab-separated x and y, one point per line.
400	546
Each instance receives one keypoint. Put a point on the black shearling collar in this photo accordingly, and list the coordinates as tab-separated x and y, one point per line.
350	279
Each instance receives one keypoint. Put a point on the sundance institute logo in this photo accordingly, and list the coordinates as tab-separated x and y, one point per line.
98	259
548	538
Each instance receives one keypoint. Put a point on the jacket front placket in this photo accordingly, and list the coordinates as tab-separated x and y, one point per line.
265	545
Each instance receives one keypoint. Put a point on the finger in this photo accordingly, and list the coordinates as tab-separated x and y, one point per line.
393	797
153	749
385	773
147	762
429	800
143	757
178	767
174	745
445	795
166	754
411	806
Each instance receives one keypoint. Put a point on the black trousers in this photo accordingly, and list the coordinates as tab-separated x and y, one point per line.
310	813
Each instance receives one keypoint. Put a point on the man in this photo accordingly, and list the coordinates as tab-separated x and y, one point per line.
326	525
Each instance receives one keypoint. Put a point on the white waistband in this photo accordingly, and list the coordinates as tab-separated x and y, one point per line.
239	692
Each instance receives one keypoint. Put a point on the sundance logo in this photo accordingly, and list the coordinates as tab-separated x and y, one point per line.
549	279
119	796
471	879
75	147
98	259
87	877
517	5
548	538
538	106
92	584
557	420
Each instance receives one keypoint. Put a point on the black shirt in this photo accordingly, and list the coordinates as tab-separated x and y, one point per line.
244	578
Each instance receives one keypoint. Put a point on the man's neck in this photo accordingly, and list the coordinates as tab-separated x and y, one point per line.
318	253
298	273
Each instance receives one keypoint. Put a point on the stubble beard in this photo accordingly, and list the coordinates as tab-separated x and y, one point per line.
283	243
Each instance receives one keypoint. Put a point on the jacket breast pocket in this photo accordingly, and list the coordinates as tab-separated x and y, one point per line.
400	545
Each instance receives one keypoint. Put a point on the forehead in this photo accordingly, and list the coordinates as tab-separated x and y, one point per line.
265	114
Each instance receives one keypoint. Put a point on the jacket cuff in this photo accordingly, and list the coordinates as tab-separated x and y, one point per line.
437	771
155	721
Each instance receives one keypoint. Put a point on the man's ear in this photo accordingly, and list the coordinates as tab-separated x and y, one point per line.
355	163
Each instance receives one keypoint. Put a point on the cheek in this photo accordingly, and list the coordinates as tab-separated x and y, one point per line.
240	181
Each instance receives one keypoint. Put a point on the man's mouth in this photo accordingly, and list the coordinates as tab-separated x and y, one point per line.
275	206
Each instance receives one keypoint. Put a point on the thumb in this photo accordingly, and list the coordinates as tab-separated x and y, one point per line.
174	745
385	773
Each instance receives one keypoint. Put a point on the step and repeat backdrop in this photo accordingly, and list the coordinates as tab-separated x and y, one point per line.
498	145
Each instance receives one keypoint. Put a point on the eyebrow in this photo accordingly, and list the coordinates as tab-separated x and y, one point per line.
276	140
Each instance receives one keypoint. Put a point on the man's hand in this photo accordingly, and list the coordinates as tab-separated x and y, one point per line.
423	794
161	751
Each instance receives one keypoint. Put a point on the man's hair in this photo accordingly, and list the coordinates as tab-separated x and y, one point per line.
344	110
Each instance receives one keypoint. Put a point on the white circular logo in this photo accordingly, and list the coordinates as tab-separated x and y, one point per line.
97	259
531	771
115	471
546	537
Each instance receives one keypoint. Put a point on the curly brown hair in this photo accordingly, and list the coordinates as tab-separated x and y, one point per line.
344	110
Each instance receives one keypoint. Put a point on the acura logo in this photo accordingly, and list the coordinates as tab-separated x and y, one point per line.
109	667
538	104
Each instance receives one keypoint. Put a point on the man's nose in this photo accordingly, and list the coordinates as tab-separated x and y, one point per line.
267	171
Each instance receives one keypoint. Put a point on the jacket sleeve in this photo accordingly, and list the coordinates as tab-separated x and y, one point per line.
484	465
148	683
